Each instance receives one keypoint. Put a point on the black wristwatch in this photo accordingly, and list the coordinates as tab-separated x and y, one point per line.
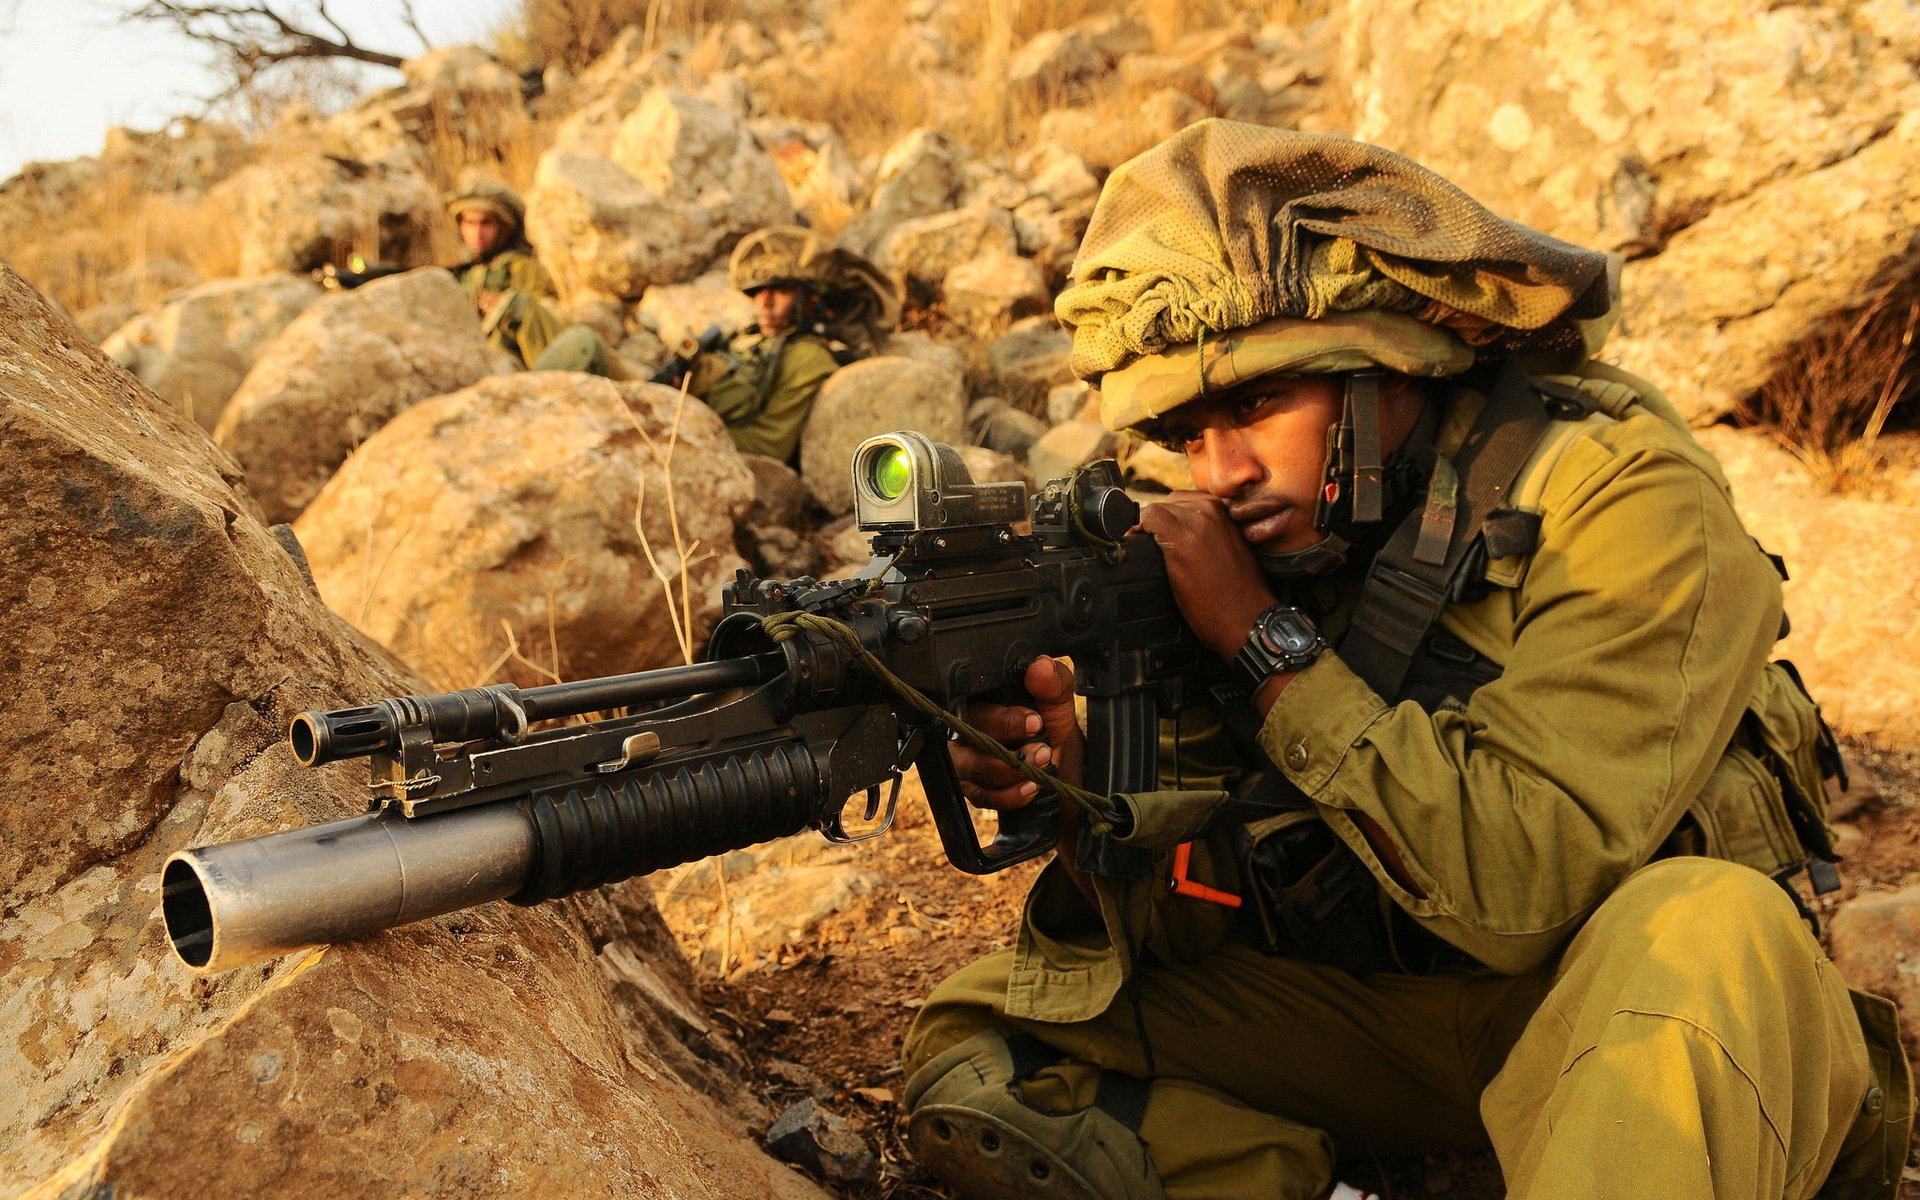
1282	639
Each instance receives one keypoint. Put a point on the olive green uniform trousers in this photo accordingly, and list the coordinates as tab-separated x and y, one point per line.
1691	1041
521	323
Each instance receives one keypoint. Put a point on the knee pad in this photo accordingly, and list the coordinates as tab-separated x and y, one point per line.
970	1127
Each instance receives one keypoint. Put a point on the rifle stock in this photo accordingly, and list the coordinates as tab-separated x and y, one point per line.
472	803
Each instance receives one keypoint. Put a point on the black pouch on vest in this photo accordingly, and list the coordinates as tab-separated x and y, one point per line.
1310	897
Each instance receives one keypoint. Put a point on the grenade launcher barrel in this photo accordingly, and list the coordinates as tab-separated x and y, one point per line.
231	904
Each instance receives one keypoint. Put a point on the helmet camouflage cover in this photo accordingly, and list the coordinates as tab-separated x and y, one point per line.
861	300
487	195
1232	251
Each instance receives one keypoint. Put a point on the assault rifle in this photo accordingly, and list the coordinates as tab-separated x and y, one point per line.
680	360
336	278
814	697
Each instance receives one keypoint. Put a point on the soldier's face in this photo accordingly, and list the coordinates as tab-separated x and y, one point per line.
482	232
1261	448
773	307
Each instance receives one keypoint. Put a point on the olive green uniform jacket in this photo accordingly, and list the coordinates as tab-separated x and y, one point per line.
767	389
1632	639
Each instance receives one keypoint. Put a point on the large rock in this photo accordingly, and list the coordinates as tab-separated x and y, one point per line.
303	212
921	174
1597	125
924	249
194	350
822	177
601	233
1876	945
341	371
1714	314
875	396
157	639
1857	654
915	344
987	294
679	310
1031	359
683	180
504	516
1767	152
1056	64
688	149
1067	446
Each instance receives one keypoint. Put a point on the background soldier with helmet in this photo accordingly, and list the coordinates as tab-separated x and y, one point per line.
511	291
1494	652
816	307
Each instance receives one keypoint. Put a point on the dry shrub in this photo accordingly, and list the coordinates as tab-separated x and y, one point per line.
572	33
1833	395
855	82
109	241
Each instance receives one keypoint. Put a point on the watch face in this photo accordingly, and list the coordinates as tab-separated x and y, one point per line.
1287	633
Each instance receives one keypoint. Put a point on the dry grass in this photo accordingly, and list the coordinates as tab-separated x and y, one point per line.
114	241
572	33
1834	394
856	83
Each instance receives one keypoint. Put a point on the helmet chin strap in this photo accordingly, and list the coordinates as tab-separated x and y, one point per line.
1321	558
1356	482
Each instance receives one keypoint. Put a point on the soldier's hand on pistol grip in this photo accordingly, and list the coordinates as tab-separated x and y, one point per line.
1048	734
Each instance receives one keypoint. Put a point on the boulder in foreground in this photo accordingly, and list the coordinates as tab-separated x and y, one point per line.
510	506
341	371
158	637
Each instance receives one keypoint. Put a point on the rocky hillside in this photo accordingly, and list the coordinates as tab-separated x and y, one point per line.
236	495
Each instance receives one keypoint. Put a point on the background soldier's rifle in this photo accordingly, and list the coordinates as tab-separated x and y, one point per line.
814	696
680	360
358	270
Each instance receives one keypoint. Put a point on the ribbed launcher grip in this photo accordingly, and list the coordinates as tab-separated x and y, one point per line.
648	822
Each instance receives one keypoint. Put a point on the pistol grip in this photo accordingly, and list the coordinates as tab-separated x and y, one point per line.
1024	832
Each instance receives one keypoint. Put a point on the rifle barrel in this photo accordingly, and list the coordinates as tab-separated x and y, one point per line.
475	713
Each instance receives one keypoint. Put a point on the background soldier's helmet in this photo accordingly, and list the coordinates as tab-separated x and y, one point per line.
1232	251
779	254
850	299
477	192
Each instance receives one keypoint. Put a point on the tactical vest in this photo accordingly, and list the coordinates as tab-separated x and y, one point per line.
1764	805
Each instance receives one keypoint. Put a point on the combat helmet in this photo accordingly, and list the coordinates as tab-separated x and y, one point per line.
1234	251
843	296
778	254
479	192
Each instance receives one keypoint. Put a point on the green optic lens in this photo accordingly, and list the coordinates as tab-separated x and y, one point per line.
891	472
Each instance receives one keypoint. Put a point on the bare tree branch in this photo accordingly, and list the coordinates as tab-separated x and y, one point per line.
250	38
412	21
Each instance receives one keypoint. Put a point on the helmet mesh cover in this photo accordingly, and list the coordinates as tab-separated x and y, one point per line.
1227	225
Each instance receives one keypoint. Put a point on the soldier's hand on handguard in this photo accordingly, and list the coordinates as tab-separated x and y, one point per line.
1216	580
1048	734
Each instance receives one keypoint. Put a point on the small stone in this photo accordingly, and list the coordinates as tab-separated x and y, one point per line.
809	1136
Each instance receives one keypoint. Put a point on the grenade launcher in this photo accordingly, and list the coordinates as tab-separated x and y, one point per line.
814	697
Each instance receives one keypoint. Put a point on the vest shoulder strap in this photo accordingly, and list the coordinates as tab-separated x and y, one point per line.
1412	578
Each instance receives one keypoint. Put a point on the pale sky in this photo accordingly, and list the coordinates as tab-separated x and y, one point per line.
69	70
